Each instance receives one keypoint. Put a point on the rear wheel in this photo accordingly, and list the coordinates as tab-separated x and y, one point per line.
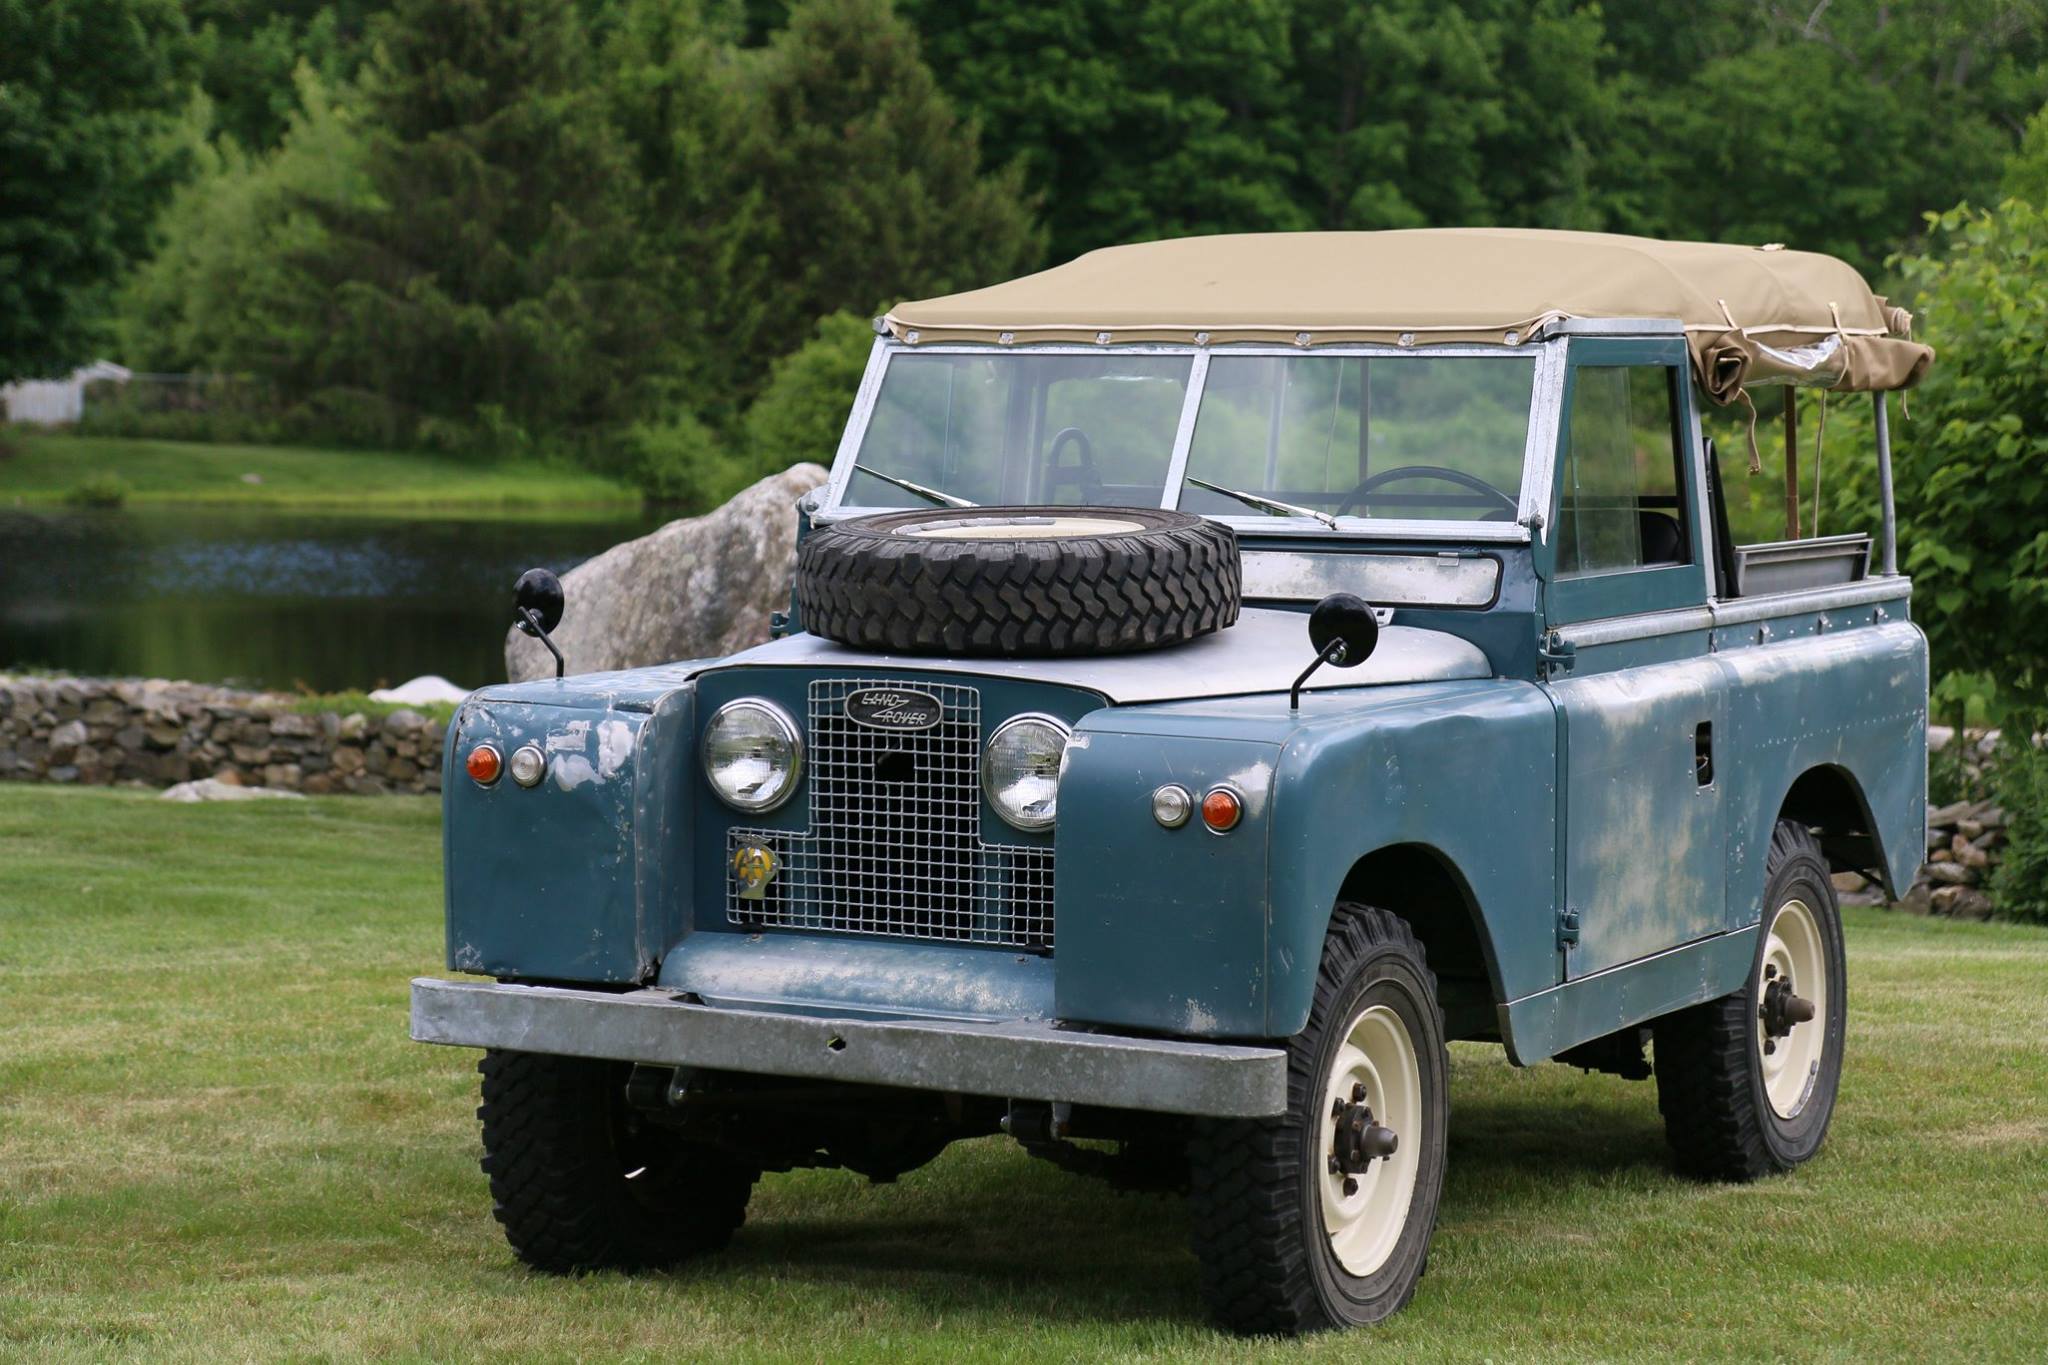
1747	1083
581	1181
1322	1217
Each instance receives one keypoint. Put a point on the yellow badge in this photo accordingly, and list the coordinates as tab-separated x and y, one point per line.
753	867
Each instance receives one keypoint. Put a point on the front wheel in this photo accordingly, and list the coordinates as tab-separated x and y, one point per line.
1747	1083
581	1181
1322	1217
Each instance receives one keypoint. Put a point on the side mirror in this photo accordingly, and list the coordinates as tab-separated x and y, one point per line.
1344	632
537	605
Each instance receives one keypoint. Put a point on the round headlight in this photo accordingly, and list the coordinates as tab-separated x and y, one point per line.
753	754
1020	770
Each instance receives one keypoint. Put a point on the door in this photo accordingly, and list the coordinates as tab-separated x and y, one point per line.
1640	852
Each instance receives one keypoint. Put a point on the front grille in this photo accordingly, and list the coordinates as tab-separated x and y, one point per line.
895	842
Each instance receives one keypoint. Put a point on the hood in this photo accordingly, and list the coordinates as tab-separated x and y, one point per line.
1263	652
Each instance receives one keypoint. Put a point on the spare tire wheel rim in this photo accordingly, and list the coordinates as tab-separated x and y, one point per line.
1374	1070
1019	528
1793	982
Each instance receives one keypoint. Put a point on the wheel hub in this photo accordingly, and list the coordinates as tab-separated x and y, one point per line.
1781	1009
1357	1139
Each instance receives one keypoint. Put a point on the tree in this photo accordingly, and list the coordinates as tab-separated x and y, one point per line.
220	293
88	94
250	52
858	186
1974	530
802	411
496	282
1137	120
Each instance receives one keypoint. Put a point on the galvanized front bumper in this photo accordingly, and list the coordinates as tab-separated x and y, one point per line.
1012	1060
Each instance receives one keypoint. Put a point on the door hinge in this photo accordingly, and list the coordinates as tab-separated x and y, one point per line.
1557	653
1568	928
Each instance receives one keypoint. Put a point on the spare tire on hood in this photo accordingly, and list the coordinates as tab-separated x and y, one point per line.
1018	581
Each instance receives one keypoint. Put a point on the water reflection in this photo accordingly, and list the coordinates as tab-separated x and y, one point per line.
273	599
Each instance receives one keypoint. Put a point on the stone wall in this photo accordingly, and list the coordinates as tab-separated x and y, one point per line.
92	731
1965	839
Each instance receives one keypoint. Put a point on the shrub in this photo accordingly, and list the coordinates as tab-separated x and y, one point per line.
681	461
101	491
2020	782
801	413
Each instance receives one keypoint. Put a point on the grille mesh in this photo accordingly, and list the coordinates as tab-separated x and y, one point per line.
895	842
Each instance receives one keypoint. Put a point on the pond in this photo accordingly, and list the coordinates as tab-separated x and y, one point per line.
274	599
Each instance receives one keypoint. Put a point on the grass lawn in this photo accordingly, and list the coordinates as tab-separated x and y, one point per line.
217	1144
48	467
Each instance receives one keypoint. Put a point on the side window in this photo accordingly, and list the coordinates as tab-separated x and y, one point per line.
1619	503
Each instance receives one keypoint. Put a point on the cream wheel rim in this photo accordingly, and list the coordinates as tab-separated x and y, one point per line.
1374	1067
1795	965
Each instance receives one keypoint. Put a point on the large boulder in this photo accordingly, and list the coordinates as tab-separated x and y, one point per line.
694	589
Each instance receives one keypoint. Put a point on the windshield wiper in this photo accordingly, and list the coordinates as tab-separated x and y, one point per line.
1265	504
933	494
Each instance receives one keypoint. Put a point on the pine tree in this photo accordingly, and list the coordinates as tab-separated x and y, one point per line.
496	284
857	184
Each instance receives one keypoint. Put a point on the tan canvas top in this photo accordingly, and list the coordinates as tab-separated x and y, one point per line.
1752	315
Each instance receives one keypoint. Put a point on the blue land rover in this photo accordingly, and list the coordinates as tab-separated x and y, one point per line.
1219	673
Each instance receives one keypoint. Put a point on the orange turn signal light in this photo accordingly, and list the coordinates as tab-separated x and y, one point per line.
484	764
1222	809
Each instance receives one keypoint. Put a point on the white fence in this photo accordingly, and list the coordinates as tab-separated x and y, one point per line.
56	402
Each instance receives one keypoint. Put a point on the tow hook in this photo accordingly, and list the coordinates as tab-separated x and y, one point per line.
1781	1009
1357	1140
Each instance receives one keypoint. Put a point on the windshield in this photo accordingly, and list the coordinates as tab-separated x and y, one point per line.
1068	430
1411	437
1388	437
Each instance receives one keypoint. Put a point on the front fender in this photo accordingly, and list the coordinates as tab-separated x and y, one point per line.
1208	935
1466	770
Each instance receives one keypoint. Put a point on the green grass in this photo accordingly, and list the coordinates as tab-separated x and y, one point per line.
50	469
354	703
217	1144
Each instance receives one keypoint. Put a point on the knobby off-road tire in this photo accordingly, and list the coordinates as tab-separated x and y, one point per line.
580	1182
1018	581
1263	1199
1732	1111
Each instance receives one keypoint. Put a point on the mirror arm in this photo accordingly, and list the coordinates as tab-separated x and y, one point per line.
1333	653
534	627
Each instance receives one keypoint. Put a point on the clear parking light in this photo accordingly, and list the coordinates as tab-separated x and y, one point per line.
1020	770
753	754
484	764
1171	806
528	765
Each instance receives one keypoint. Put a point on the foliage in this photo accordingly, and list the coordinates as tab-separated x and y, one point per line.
222	294
1717	119
252	58
495	279
847	181
680	460
2019	781
101	490
89	90
800	414
1973	461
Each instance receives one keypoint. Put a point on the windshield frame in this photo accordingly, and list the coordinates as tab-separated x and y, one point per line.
1538	456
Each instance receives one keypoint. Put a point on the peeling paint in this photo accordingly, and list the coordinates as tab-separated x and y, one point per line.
573	738
614	748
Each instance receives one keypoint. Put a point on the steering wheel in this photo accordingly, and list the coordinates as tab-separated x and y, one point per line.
1432	471
1081	473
